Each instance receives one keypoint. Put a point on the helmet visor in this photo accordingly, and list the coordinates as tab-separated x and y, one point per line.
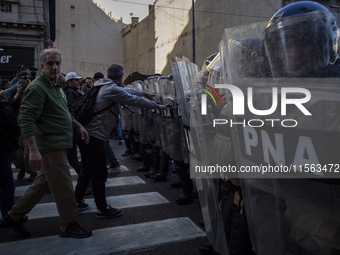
301	44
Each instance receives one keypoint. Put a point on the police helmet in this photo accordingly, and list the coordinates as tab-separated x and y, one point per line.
301	38
249	58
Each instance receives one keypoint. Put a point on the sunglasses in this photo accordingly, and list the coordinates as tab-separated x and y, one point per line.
26	78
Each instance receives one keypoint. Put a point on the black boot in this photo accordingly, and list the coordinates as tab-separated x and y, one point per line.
128	144
135	143
187	185
155	162
147	158
163	168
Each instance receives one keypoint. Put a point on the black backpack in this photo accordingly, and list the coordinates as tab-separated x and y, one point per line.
83	108
9	127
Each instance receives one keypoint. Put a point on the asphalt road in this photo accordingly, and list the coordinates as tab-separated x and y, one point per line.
152	223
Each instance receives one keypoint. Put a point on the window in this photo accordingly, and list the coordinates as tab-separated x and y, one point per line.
5	7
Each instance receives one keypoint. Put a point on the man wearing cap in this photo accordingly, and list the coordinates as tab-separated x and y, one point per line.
72	94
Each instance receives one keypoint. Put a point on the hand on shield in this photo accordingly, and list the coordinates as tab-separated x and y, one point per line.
164	106
149	95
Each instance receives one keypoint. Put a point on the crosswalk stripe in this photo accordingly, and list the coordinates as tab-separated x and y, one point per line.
120	169
123	201
110	240
111	182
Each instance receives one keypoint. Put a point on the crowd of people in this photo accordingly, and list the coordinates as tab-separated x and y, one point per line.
51	137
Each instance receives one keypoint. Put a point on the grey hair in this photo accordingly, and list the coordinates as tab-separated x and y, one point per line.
115	72
49	52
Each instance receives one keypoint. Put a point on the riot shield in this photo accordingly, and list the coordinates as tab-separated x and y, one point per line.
188	86
165	138
170	120
284	134
127	116
139	116
136	112
148	114
155	117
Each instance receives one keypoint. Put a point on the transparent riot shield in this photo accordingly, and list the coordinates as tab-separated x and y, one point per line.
285	137
127	116
136	112
139	116
155	117
188	87
170	120
165	138
148	114
214	70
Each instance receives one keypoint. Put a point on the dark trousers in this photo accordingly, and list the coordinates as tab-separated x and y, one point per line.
72	155
183	172
94	170
7	185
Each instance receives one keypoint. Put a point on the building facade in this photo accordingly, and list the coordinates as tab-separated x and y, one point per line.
25	30
88	38
192	29
187	28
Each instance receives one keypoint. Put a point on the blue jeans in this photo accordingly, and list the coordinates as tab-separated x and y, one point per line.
7	186
119	128
110	155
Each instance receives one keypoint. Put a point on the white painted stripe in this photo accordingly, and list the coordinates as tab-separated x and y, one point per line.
122	168
124	201
110	240
111	182
73	172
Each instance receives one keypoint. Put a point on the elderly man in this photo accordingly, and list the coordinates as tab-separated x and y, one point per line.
46	125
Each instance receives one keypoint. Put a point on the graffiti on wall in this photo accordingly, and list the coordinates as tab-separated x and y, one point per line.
93	67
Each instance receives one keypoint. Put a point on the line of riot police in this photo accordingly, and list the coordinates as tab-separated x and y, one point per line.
247	213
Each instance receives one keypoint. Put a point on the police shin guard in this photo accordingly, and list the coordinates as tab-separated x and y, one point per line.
163	168
240	239
147	158
155	162
128	143
136	145
187	184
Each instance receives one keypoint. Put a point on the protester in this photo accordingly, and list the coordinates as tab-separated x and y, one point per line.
99	128
9	142
86	84
5	84
72	94
46	125
98	76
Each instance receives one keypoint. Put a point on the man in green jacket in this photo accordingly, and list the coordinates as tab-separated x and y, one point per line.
46	125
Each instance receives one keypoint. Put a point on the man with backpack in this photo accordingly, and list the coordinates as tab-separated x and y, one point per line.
110	95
